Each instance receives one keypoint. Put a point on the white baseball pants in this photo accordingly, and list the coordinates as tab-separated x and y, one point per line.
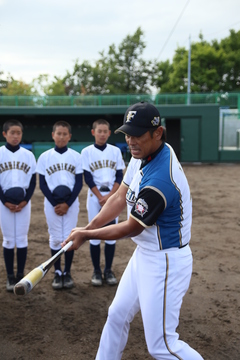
93	208
155	283
59	227
15	226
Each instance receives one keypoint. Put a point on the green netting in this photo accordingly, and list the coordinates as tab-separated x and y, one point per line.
227	99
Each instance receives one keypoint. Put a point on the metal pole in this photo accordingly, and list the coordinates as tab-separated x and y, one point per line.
189	72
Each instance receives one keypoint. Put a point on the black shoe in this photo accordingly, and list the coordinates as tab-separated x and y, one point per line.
19	277
97	278
11	282
110	278
57	282
67	281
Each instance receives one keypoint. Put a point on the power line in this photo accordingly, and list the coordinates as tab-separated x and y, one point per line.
226	28
173	28
212	33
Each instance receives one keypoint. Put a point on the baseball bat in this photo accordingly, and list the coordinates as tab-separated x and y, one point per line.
26	284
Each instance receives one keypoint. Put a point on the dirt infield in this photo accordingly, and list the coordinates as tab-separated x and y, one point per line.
67	324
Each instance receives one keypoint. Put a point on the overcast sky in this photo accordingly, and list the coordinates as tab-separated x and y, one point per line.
47	36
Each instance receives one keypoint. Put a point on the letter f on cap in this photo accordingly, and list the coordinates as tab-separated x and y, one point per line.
130	115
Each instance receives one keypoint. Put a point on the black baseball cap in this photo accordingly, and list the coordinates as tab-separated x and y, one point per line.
140	118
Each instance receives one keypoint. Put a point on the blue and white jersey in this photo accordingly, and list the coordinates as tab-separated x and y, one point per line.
132	176
160	200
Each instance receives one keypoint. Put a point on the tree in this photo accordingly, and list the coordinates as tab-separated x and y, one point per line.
40	84
80	81
121	71
215	67
3	83
17	87
231	74
161	74
43	86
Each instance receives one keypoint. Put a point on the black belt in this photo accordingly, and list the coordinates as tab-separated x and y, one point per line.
180	247
104	189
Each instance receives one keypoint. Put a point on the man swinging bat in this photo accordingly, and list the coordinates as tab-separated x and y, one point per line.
159	272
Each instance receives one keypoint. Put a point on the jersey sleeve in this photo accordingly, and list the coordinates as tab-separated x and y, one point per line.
119	176
34	163
40	165
79	167
45	190
85	160
76	190
31	188
120	161
132	168
149	205
89	179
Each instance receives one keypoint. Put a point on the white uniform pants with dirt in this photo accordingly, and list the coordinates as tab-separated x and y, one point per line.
155	283
15	226
93	208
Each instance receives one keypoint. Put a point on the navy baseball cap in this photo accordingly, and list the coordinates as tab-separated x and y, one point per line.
140	118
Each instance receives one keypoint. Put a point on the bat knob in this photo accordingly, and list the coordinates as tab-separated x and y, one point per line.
20	288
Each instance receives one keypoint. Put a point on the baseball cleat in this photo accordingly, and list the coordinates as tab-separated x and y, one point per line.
57	282
110	278
96	278
67	281
19	277
11	282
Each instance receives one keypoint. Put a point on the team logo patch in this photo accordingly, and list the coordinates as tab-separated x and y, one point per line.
156	121
130	115
141	207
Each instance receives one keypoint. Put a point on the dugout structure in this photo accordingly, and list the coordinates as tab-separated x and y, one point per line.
192	130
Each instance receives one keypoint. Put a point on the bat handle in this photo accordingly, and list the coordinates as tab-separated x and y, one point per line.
47	265
67	246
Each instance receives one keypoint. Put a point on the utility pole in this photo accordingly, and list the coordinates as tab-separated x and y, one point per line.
189	73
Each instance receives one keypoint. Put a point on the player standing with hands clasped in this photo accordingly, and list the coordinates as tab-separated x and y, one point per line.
17	184
103	173
159	271
60	179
